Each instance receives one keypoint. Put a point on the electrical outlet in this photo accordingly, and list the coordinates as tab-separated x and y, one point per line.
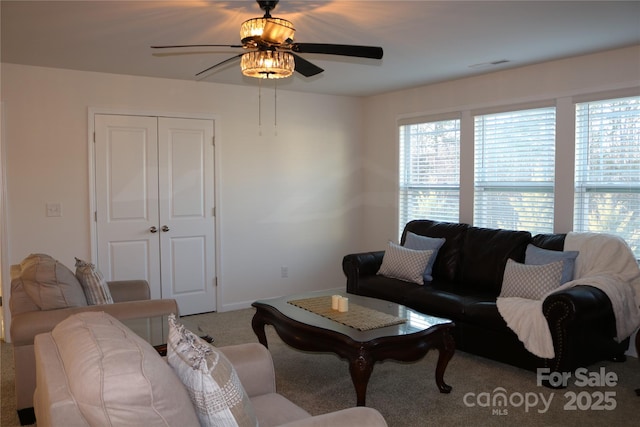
54	209
284	271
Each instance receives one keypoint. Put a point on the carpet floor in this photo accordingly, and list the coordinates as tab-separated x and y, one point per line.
406	393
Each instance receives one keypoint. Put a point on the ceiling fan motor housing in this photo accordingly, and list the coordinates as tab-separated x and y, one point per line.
267	6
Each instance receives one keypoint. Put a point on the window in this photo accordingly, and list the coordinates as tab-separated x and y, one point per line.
514	170
430	171
607	174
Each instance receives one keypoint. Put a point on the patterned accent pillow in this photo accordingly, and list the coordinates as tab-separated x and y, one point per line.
211	380
537	256
530	281
95	287
405	264
425	243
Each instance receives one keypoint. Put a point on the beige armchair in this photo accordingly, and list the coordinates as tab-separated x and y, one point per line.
131	301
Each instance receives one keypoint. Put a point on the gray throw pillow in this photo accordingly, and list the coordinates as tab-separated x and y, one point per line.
425	243
530	281
405	264
537	256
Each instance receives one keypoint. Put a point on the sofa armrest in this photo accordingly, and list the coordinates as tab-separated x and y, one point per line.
25	326
577	304
358	416
579	313
129	290
356	266
253	363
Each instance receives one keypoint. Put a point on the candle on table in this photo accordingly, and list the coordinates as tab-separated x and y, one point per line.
335	299
343	305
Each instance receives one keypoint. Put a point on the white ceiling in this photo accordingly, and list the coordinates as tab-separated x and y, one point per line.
423	41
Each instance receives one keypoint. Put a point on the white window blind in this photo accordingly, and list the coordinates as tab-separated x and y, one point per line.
514	170
607	175
429	171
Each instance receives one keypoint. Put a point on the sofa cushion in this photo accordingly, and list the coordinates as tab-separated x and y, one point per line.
424	243
537	256
447	263
485	314
211	380
386	288
95	287
530	281
405	264
273	409
552	241
485	252
117	378
50	284
445	299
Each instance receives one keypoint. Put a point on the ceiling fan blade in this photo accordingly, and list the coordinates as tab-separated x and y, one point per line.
233	58
373	52
305	67
195	45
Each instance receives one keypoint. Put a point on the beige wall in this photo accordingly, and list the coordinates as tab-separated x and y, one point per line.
557	81
283	200
325	186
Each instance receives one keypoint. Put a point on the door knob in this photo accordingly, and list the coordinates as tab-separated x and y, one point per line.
165	228
153	229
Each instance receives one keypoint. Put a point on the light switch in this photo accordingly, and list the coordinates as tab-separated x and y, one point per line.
54	209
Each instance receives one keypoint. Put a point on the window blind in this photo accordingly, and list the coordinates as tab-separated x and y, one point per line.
429	171
515	170
607	171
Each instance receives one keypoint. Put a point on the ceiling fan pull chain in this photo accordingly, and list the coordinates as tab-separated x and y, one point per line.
260	107
275	109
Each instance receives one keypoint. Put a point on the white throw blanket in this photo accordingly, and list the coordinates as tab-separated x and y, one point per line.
605	262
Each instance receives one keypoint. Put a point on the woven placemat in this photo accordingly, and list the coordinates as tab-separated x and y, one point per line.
358	317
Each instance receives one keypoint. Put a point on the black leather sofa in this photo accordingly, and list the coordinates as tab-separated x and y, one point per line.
467	278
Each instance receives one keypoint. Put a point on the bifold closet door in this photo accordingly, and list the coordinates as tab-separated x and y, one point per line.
155	206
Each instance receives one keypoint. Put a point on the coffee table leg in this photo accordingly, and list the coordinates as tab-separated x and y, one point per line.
445	353
258	323
360	369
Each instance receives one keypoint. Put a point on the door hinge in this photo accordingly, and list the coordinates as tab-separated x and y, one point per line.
94	137
213	211
213	141
215	282
95	216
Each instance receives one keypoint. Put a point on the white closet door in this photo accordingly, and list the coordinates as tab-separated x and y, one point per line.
187	233
126	168
155	206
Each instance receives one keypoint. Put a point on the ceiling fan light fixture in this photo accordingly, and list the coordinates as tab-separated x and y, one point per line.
269	30
267	64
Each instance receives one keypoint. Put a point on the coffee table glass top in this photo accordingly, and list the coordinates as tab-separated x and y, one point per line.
153	329
415	321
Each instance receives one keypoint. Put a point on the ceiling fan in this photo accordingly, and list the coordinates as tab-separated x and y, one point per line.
271	52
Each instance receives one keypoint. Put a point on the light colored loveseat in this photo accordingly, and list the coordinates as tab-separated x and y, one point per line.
93	370
28	319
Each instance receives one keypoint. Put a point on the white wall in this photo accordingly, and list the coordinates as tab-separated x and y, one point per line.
283	200
556	80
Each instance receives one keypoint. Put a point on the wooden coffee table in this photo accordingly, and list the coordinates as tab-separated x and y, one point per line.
407	342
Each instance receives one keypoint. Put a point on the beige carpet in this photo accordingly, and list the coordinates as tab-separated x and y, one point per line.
406	393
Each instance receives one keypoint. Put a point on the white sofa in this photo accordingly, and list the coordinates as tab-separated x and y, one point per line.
93	370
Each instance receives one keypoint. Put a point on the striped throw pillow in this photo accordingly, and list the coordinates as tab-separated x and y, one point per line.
95	287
